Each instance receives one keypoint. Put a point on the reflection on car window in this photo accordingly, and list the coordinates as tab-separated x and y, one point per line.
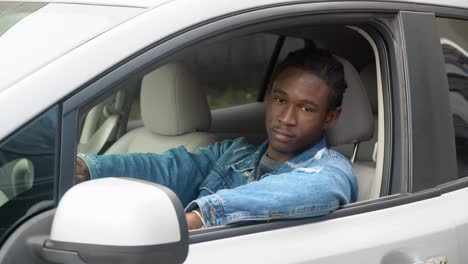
230	72
27	161
454	43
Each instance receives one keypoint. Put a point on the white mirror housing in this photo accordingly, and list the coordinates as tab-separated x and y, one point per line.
118	220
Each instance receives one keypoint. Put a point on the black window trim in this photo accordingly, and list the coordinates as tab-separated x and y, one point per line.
461	15
382	38
270	68
430	121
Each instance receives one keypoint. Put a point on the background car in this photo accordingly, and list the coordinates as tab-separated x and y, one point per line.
112	77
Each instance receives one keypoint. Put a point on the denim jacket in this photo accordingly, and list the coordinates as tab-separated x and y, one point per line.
219	180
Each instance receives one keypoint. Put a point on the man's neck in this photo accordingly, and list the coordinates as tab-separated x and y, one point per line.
283	157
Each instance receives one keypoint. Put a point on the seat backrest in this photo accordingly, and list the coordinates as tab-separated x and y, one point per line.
356	122
3	198
100	124
355	125
16	177
174	111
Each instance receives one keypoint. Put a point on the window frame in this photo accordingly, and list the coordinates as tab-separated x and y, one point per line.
459	181
425	92
454	13
392	73
157	56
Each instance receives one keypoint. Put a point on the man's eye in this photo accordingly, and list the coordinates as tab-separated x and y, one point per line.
280	100
307	109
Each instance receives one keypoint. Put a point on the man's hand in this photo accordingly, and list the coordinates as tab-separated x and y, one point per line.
193	221
82	171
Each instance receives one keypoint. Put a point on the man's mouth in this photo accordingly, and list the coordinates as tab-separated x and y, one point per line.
282	135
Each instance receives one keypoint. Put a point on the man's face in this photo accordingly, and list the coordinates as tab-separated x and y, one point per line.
297	113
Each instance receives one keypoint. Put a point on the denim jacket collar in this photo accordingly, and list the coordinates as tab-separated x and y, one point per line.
251	162
314	152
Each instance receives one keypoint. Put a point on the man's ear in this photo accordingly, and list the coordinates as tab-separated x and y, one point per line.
269	89
332	117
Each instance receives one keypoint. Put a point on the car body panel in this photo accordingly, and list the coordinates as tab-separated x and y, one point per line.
402	234
153	3
123	3
49	33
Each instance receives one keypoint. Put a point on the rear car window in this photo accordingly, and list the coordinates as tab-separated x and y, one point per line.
454	41
230	72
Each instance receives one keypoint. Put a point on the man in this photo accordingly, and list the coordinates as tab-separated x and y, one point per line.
291	175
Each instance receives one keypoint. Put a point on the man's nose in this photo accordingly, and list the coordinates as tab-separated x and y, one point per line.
288	116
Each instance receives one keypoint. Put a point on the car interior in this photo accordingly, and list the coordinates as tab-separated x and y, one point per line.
214	91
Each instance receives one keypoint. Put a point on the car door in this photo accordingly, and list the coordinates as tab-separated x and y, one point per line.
411	227
419	225
417	216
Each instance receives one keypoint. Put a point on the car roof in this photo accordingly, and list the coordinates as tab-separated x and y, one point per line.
154	3
126	3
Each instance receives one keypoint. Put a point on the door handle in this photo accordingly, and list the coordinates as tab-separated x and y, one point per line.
436	260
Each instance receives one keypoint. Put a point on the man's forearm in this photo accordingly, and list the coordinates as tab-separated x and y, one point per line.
289	195
175	169
126	165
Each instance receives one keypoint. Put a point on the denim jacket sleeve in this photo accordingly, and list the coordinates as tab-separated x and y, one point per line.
303	192
176	168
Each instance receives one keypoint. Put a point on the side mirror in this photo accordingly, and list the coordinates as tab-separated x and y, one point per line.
118	220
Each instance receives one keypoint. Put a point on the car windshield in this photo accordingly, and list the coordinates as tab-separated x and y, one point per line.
12	13
33	35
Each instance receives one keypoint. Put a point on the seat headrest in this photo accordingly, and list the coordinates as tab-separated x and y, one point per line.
369	78
172	101
356	122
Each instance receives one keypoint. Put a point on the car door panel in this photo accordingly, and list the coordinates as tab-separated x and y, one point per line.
456	200
407	233
24	245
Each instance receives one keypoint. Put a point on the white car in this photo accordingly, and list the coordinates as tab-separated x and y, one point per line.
115	76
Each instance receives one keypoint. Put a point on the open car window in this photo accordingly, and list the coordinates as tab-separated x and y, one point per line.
215	84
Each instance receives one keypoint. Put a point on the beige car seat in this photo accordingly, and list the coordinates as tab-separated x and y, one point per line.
3	198
96	132
355	125
174	111
16	177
